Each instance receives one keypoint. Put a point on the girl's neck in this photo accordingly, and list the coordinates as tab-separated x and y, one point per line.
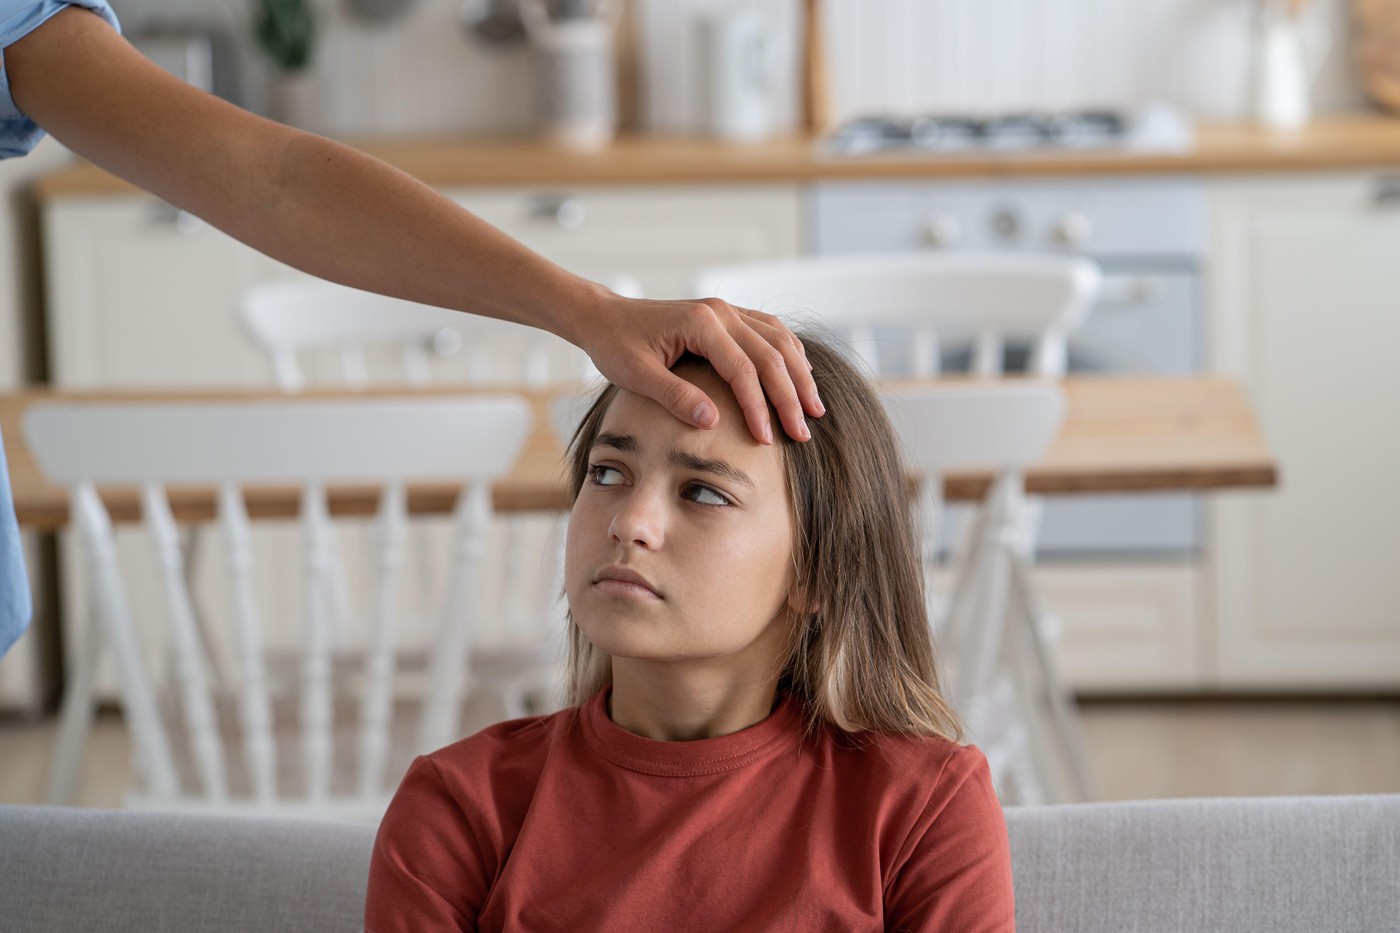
656	701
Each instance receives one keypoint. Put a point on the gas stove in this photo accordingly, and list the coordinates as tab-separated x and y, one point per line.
1155	128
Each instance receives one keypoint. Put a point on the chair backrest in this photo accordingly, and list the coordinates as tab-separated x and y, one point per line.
288	318
915	306
1000	427
230	445
974	425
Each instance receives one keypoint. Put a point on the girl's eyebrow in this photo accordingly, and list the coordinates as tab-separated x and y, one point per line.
680	458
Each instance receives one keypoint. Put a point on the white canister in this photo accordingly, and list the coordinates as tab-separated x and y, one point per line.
1289	50
575	71
737	73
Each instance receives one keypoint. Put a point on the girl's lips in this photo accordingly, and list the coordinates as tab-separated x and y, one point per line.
624	581
625	589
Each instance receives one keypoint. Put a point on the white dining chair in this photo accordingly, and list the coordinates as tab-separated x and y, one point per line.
900	312
910	315
297	319
1001	676
310	445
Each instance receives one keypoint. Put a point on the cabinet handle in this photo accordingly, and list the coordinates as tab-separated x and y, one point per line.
1125	291
1387	193
168	215
567	212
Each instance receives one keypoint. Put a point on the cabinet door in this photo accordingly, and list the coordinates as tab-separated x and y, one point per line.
140	294
659	236
1306	309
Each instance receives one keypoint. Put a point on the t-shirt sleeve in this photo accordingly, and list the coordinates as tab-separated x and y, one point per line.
956	877
426	871
18	18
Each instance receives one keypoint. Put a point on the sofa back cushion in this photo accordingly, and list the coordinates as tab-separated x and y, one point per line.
1227	865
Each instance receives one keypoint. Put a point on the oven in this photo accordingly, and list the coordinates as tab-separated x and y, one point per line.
1148	236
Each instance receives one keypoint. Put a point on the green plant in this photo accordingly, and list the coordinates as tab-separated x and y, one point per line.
285	30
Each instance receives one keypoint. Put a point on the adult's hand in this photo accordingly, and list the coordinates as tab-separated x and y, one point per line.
634	342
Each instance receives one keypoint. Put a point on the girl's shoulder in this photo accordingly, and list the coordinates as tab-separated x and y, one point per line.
505	748
894	757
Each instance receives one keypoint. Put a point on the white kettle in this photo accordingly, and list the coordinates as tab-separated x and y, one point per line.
1288	54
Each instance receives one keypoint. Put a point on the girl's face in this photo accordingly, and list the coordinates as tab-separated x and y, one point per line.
680	541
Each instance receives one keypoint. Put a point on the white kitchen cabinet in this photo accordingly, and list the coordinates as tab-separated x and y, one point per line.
660	236
1126	627
140	294
1305	308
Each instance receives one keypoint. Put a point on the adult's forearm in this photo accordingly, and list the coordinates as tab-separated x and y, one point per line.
343	215
310	202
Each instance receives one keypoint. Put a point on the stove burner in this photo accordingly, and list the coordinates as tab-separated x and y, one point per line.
955	133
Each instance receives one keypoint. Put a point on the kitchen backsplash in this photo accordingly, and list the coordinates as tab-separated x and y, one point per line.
423	73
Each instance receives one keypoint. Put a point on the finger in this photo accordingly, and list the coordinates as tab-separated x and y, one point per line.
736	365
799	368
682	399
761	341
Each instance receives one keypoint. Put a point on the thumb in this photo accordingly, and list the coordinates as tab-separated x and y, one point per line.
682	399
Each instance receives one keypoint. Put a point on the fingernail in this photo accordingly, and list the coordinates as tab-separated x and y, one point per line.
704	415
767	433
821	409
806	432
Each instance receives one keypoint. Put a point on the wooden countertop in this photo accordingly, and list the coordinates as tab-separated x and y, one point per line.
1338	142
1138	434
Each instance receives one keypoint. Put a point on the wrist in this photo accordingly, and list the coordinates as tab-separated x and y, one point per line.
576	312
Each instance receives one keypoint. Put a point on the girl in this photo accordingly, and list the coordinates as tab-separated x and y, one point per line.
758	740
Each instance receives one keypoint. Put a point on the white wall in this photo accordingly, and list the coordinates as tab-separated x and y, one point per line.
425	74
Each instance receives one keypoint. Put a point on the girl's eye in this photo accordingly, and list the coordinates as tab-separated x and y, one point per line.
704	495
604	475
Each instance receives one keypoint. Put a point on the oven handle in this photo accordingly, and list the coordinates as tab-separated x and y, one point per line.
1126	291
1387	192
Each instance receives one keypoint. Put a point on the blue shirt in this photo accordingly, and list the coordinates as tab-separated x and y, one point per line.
18	135
18	18
15	607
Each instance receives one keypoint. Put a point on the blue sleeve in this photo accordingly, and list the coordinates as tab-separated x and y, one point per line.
15	606
18	18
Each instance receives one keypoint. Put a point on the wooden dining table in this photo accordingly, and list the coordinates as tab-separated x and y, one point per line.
1119	435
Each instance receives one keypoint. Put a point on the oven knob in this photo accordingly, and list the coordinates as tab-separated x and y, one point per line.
1073	229
1006	223
941	231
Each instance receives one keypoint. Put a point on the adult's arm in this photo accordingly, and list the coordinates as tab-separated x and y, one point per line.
342	215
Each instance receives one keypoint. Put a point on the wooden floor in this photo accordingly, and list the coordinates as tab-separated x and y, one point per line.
1141	750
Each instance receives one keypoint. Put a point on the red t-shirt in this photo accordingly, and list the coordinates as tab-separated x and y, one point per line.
569	822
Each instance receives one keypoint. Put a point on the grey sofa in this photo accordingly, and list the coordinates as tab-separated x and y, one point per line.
1315	864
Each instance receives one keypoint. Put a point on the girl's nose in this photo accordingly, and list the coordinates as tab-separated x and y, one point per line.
640	520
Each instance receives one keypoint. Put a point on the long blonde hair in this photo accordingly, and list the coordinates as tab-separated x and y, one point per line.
862	658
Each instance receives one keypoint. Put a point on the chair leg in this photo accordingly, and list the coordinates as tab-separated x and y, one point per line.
1064	713
75	720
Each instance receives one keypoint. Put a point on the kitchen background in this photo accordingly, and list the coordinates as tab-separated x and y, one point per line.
422	73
